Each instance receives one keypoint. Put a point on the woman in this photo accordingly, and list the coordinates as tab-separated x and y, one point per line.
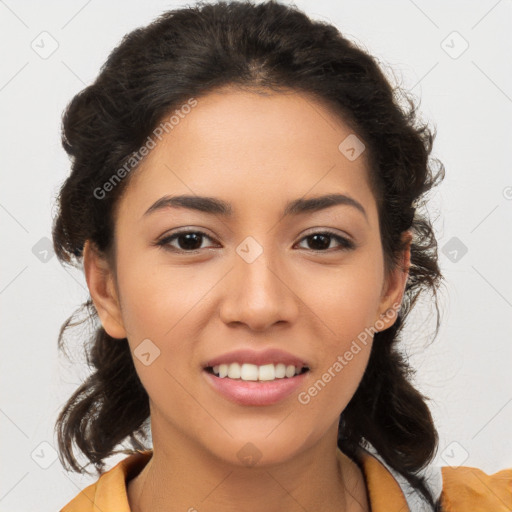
216	150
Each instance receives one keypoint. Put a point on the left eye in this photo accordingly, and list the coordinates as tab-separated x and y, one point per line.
190	241
321	238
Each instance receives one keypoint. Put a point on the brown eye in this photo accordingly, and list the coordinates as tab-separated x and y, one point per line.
321	241
188	241
191	241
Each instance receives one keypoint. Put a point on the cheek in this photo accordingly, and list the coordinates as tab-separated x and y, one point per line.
165	305
343	354
344	300
330	391
334	383
344	303
160	311
157	298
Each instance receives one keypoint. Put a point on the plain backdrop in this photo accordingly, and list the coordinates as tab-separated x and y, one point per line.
454	56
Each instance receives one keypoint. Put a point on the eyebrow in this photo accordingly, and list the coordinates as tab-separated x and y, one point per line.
217	206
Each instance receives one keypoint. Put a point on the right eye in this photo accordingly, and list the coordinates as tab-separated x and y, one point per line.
188	240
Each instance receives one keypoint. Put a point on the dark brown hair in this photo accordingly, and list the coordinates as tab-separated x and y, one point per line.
189	52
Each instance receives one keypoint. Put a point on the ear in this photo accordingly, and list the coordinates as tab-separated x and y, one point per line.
394	287
100	281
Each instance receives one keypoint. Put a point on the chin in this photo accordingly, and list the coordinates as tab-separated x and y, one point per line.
264	449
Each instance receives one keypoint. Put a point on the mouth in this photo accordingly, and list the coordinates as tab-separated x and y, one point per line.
251	385
252	372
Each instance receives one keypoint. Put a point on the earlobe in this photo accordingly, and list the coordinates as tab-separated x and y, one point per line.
100	282
394	289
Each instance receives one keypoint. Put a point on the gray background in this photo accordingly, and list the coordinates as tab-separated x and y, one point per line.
465	92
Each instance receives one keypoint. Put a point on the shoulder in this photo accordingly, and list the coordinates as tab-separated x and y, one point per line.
467	488
109	492
458	489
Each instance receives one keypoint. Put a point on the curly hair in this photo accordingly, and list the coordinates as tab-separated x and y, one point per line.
189	52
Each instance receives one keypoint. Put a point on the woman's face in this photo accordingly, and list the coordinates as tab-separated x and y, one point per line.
257	279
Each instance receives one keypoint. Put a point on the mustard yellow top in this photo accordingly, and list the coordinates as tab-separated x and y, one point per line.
464	488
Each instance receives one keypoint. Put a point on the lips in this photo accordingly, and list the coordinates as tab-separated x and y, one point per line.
268	391
258	358
260	393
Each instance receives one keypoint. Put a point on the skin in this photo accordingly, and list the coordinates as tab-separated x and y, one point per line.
256	152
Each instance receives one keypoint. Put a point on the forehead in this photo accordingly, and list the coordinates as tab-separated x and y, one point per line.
252	147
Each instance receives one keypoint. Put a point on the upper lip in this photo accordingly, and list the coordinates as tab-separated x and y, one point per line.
259	358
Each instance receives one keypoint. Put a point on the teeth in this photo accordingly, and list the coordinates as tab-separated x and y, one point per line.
234	371
249	372
268	372
280	370
253	372
290	371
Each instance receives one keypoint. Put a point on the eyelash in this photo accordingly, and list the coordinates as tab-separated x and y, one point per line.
346	244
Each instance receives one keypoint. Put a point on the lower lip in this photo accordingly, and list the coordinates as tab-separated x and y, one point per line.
245	392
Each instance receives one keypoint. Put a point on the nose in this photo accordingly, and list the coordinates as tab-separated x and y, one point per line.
259	294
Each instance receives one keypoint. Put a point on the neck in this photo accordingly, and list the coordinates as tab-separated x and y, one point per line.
185	477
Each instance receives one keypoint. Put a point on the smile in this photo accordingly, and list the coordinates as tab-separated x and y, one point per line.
252	391
252	372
